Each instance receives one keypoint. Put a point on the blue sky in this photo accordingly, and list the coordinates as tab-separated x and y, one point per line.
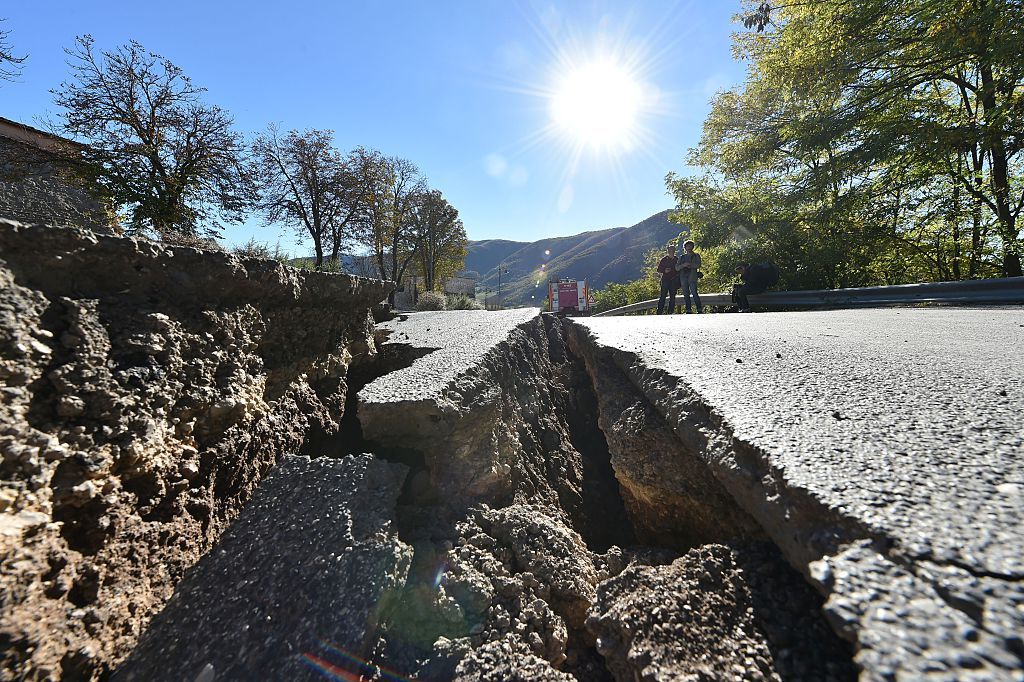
464	89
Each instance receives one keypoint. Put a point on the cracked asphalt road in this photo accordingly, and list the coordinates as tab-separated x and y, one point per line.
905	424
458	339
909	420
897	435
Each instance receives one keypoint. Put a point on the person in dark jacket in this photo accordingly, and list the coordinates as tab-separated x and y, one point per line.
689	273
756	279
669	280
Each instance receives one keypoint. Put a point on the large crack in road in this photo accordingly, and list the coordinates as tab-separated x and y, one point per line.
562	586
545	506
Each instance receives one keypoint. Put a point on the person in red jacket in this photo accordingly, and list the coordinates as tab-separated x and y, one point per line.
669	281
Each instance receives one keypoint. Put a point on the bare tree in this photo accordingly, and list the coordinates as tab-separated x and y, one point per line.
152	147
307	183
442	249
353	190
394	189
10	66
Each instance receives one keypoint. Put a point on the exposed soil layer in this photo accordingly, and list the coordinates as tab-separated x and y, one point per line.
146	393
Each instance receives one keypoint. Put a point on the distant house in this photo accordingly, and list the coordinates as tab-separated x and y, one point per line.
460	285
34	190
407	294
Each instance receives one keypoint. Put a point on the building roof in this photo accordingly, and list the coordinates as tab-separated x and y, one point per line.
29	135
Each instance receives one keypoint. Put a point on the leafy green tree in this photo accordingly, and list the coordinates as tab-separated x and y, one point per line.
152	147
955	71
872	142
442	249
394	193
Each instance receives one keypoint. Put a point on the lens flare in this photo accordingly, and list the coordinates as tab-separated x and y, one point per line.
339	665
439	575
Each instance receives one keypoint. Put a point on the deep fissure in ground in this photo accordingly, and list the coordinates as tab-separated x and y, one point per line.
785	610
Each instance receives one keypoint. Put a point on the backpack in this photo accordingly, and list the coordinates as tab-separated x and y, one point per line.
761	275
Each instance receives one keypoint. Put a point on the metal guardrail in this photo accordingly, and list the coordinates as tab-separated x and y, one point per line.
1003	290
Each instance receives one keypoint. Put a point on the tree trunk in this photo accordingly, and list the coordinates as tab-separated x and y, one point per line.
972	272
335	255
955	220
978	181
1011	265
429	266
1000	174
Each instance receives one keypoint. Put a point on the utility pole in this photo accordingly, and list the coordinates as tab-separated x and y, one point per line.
501	267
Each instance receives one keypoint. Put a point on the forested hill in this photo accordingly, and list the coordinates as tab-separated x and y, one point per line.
611	255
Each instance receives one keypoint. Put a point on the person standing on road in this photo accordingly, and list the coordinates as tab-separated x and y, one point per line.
669	280
689	273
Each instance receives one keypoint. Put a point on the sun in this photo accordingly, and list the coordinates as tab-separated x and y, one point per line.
597	104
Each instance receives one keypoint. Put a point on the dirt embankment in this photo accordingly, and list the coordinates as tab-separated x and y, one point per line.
146	391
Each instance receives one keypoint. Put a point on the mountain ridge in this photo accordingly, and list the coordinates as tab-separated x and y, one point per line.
614	254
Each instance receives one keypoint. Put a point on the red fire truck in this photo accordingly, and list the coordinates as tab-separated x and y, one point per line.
569	297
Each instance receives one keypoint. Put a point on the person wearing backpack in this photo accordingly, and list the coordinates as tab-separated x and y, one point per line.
756	279
689	273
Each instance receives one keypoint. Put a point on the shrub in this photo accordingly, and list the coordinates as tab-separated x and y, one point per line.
310	264
302	263
463	302
190	240
252	249
331	266
431	300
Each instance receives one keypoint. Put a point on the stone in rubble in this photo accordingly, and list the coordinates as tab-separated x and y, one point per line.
716	613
